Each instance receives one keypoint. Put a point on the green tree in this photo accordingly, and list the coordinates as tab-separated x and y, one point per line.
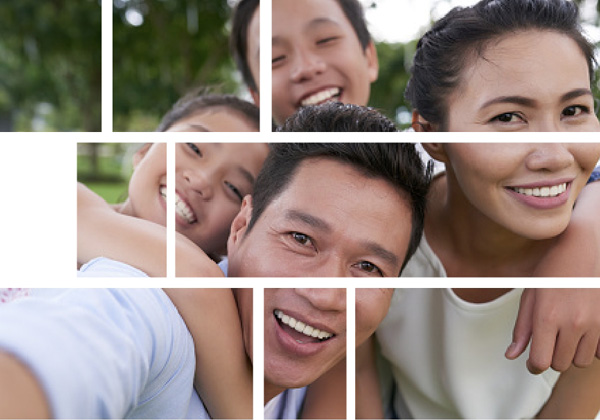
162	49
51	54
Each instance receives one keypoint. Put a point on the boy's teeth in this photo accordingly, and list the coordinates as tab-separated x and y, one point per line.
321	96
301	326
184	210
550	191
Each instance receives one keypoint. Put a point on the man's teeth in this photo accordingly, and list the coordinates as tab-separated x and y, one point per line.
321	96
552	191
302	327
184	210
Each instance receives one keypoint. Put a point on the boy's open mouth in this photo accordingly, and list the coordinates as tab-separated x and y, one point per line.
298	330
325	95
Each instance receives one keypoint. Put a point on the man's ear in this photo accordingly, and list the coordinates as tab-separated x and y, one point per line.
240	224
140	153
372	61
255	96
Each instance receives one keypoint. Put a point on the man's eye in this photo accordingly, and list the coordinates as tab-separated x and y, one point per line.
508	117
326	40
369	267
235	190
574	110
301	238
194	148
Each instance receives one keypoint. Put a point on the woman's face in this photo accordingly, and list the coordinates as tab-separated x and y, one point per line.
527	188
529	81
211	181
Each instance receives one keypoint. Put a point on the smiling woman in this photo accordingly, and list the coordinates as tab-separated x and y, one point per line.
504	65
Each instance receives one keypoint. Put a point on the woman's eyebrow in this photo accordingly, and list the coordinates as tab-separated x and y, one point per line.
515	99
576	93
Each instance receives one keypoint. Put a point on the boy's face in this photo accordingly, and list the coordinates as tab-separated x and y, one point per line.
317	57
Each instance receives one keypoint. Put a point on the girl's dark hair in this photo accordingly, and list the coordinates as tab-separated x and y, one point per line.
445	49
197	101
238	40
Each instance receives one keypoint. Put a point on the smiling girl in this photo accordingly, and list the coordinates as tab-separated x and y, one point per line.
211	180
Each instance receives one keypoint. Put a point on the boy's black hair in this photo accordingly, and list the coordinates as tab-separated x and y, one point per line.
335	116
238	40
446	48
196	101
356	16
397	163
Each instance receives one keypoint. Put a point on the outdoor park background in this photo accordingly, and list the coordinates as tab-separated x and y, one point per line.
50	65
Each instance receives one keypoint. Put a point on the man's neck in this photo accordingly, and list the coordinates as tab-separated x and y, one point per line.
271	391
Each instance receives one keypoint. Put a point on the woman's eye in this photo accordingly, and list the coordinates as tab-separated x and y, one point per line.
194	148
369	267
301	238
507	117
235	190
574	110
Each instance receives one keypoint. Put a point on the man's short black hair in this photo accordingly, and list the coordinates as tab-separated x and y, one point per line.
335	116
197	101
238	40
397	163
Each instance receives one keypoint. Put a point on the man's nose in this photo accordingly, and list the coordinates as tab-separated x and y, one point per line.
325	299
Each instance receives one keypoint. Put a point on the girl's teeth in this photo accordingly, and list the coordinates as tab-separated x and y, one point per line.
184	210
552	191
301	326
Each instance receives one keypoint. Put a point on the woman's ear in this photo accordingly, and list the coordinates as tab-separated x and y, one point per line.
420	124
140	153
240	223
436	151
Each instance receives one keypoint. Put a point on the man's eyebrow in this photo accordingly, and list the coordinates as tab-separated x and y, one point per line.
309	219
382	253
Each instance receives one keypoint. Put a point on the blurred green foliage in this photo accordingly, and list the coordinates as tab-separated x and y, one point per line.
105	168
51	65
177	45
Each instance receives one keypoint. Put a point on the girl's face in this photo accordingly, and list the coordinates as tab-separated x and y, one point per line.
146	200
211	181
528	81
527	188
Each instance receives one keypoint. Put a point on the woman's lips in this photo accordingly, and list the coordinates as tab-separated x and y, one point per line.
542	197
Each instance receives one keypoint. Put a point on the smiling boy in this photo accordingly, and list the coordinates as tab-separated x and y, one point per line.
322	51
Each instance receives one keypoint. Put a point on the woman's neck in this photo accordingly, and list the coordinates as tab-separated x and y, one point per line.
469	243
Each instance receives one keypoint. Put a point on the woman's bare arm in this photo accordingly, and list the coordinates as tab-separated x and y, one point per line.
576	395
223	371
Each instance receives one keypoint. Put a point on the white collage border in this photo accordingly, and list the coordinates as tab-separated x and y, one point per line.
38	212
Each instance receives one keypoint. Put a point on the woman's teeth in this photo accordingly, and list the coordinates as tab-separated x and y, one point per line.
321	96
301	326
552	191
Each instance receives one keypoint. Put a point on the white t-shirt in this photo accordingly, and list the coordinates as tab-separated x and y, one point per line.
447	357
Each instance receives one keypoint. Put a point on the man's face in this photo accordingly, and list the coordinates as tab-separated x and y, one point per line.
317	57
330	221
292	358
